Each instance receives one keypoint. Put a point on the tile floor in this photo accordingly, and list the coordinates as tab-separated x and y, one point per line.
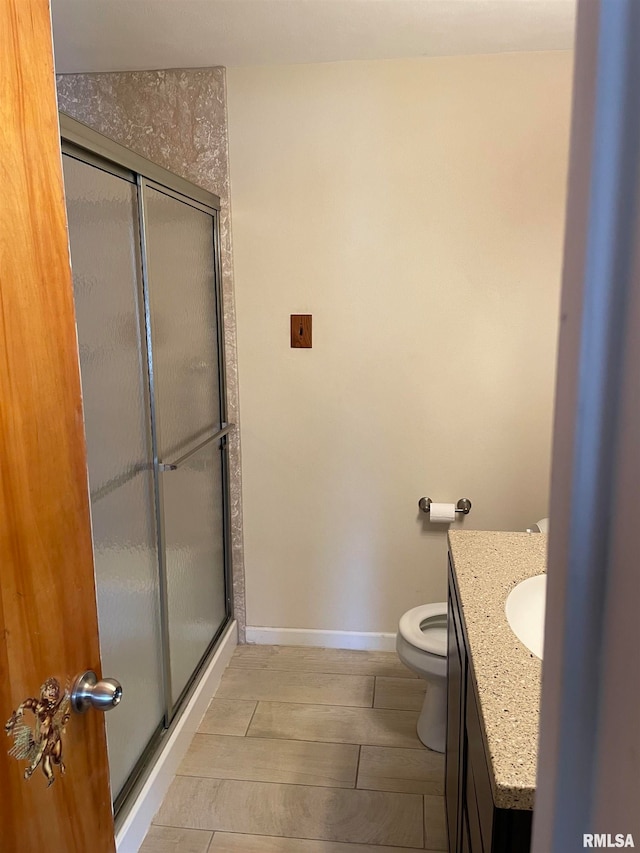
307	750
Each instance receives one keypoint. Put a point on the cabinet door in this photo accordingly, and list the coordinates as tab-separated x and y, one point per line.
455	726
465	841
478	766
471	810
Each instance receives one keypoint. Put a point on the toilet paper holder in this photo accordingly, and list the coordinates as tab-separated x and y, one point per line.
463	505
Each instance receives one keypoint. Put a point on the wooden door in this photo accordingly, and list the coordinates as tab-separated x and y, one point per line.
48	620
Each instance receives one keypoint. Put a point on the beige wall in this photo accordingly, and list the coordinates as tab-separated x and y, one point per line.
416	209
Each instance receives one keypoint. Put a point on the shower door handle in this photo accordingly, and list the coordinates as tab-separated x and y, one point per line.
173	466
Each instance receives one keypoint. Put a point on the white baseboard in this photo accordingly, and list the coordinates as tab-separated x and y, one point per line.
366	640
130	834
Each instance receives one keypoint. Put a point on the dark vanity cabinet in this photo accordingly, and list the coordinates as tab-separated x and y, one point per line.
474	823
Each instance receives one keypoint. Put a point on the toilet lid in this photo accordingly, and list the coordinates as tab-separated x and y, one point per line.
425	627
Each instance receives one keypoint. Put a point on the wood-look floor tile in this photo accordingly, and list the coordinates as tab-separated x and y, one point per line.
402	694
313	688
331	765
373	726
417	771
168	839
225	842
227	717
308	659
294	811
435	824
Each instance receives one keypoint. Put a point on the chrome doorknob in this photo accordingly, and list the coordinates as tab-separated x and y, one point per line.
87	692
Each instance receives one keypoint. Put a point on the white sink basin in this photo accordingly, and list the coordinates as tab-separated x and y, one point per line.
525	612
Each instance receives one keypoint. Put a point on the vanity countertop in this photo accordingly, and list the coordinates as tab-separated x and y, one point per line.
487	566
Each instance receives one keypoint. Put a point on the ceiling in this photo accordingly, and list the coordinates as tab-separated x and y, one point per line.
120	35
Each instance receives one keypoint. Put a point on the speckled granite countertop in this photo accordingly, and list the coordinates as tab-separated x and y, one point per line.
487	566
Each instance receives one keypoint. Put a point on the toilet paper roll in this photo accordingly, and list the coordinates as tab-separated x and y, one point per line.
442	513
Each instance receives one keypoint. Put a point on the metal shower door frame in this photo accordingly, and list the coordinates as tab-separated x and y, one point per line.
161	466
88	145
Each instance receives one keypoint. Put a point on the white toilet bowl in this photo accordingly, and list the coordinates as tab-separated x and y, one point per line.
421	644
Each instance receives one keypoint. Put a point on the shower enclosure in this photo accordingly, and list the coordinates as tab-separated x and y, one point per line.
146	274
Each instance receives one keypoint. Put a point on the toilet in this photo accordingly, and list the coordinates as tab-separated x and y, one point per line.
421	644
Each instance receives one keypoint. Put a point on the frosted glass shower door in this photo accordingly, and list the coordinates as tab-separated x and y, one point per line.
181	270
105	256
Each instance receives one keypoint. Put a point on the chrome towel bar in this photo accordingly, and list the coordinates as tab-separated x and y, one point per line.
172	466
